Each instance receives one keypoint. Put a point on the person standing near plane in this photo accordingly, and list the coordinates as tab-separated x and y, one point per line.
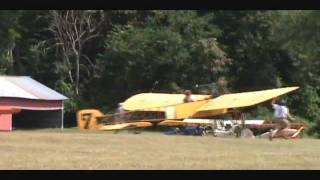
188	97
121	113
281	116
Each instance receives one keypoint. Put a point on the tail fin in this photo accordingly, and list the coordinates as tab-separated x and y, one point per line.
87	119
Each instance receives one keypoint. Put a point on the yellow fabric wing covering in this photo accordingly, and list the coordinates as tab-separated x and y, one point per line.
243	99
126	126
155	101
185	110
209	113
174	108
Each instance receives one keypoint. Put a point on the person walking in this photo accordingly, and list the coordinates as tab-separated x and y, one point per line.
281	116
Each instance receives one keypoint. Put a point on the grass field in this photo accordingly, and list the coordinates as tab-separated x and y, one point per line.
74	149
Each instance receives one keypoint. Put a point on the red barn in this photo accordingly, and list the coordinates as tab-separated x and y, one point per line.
26	103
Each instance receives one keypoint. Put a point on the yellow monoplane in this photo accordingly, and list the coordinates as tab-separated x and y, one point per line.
148	109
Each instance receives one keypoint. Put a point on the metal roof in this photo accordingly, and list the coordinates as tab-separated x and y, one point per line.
26	87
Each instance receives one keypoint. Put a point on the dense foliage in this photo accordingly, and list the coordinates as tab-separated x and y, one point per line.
99	58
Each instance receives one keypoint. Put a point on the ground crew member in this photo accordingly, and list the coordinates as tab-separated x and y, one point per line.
281	116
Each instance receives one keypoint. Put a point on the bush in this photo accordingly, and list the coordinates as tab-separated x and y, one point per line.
309	107
261	112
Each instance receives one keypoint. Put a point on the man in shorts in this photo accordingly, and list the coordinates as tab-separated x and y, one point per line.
281	116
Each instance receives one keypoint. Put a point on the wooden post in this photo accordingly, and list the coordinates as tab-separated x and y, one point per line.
243	121
62	116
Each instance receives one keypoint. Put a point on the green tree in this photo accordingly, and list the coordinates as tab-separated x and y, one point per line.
297	33
247	38
9	35
172	51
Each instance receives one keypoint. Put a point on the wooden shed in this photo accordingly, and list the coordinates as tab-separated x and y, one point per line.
26	103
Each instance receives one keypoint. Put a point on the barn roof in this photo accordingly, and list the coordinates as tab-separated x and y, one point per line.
28	88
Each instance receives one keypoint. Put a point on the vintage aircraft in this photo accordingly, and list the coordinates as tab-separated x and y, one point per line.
149	109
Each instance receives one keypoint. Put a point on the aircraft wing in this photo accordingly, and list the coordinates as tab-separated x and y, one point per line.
174	108
244	99
155	101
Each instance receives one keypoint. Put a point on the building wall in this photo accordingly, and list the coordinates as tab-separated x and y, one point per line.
31	104
30	119
5	122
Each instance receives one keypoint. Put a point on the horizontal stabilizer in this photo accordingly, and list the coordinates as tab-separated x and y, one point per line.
126	126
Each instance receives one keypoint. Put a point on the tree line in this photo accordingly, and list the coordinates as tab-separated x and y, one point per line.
98	58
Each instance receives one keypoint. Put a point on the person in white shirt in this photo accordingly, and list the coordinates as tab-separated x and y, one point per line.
188	97
121	113
281	116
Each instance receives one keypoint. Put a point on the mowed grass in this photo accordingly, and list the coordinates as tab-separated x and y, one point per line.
75	149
